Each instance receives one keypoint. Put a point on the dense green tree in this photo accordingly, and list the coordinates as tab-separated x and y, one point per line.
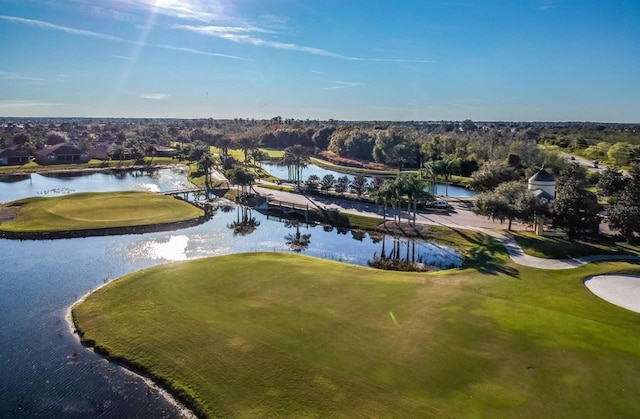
342	184
624	214
327	182
20	138
359	184
621	153
312	183
575	209
491	174
56	137
510	201
611	184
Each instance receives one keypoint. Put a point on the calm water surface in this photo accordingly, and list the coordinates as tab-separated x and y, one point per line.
281	172
44	371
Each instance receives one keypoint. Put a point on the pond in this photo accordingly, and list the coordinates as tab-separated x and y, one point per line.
46	372
52	184
312	169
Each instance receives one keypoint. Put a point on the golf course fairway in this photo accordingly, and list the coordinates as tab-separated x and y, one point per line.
285	335
93	210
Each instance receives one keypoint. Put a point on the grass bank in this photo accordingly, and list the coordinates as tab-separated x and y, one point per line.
283	335
558	248
86	211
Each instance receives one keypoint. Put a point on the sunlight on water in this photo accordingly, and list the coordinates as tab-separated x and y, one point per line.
173	249
170	248
147	187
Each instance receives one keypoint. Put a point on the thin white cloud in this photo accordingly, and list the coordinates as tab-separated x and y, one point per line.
153	96
546	5
121	57
91	34
241	35
16	76
203	11
25	103
47	25
199	52
342	85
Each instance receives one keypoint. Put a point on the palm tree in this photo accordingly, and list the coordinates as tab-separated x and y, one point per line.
384	195
205	164
243	178
246	142
298	157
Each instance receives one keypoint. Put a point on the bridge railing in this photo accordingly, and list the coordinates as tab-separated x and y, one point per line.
292	205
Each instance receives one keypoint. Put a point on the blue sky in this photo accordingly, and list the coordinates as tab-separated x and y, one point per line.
508	60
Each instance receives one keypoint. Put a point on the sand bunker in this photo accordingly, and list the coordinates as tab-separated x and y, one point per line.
621	290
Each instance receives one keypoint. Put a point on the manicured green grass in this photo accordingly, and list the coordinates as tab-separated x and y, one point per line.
83	211
283	335
558	248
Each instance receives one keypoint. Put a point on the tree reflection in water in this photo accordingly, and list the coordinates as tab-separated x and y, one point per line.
245	224
396	259
296	242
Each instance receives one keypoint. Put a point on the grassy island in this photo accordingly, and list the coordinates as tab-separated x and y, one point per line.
284	335
87	211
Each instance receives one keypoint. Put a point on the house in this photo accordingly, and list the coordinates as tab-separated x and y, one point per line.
543	186
61	154
13	156
162	151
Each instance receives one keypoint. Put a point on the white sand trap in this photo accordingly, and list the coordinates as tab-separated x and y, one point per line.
621	290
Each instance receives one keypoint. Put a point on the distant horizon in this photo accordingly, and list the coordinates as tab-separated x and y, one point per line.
5	118
416	60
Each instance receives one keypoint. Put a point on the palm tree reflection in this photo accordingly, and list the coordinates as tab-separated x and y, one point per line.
296	242
245	224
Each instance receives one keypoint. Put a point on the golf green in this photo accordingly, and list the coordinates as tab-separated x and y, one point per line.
283	335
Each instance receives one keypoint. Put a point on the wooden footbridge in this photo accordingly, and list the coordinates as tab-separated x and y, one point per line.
194	193
288	207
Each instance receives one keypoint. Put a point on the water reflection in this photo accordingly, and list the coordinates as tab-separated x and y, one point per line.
297	242
407	254
245	223
18	187
172	250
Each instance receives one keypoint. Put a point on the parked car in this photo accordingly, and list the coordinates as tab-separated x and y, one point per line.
440	204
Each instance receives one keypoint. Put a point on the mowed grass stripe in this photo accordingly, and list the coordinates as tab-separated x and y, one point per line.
83	211
280	335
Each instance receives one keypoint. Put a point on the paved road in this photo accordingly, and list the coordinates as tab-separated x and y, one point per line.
583	162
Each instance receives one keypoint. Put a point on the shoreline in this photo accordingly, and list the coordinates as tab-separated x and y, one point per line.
48	170
183	409
107	231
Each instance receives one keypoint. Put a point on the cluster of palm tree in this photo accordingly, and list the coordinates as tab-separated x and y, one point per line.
404	188
296	158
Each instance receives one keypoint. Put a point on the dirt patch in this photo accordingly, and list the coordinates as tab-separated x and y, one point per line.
7	214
